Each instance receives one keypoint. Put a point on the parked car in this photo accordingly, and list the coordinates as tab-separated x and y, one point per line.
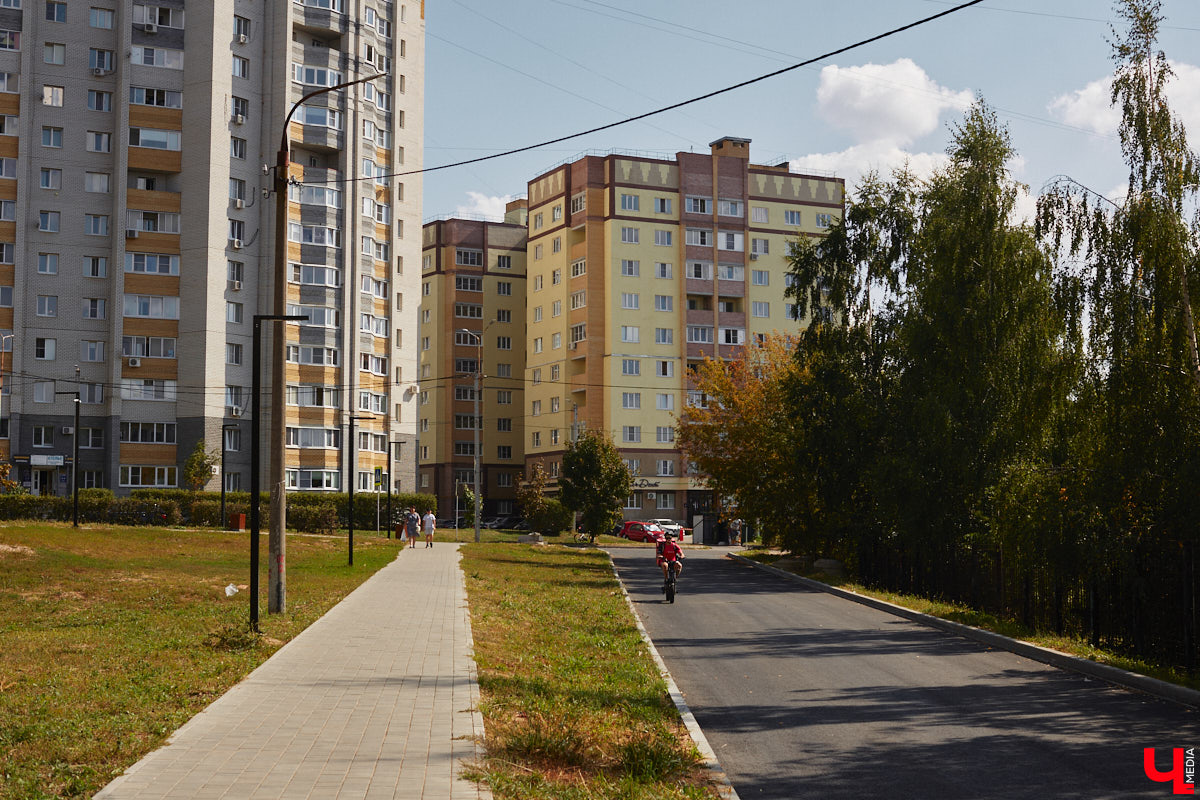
670	526
492	523
448	522
636	531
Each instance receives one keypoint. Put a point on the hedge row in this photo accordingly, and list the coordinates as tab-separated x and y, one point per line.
310	513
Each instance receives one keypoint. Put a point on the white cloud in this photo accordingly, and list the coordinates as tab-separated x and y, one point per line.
483	205
856	161
896	103
1091	107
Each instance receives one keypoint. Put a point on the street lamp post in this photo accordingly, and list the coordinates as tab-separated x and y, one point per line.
278	576
226	427
351	464
75	455
255	489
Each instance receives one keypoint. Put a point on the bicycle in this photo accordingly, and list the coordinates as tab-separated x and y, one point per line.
672	576
582	537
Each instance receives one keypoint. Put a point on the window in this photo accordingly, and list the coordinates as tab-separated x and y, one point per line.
698	205
629	300
579	268
151	306
51	137
469	258
730	208
662	205
50	178
95	267
241	67
98	101
760	277
760	308
824	220
556	308
556	244
700	334
733	336
94	308
537	344
556	277
47	263
629	235
43	391
630	333
662	270
578	300
631	433
139	476
631	366
95	224
96	182
731	272
630	267
91	350
48	221
504	397
9	125
759	214
44	349
10	40
43	435
91	438
631	400
578	202
664	369
629	202
760	247
237	147
99	142
728	240
159	98
148	389
101	18
56	11
791	217
91	393
233	312
699	237
157	56
700	270
555	341
537	221
504	288
8	168
241	27
102	60
233	353
155	138
664	336
663	302
47	305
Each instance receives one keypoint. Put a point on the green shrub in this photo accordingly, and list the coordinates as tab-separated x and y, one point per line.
553	519
312	518
136	511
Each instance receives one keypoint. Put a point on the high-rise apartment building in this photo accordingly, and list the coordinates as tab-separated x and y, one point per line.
636	269
136	233
473	325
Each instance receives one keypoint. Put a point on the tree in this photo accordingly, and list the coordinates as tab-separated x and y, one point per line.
531	494
742	438
198	469
469	507
595	481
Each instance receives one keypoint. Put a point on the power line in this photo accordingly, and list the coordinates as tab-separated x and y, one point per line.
672	107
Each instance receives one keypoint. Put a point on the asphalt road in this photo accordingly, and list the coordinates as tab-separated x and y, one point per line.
805	695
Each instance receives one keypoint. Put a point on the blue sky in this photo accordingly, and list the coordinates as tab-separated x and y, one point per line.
504	75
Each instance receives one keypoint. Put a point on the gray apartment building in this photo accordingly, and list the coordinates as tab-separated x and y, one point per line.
137	235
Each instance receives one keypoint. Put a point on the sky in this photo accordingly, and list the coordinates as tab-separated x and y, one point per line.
503	75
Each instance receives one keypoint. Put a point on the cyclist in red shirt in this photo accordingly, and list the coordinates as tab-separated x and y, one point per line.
667	552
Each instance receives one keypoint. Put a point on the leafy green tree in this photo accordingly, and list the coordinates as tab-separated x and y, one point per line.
594	482
198	469
470	504
531	494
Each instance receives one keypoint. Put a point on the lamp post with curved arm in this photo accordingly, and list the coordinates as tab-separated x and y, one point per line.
478	421
277	574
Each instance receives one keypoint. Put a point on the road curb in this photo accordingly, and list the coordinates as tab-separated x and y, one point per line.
711	763
1114	675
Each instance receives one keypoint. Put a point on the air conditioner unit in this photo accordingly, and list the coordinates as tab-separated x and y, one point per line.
68	430
650	495
239	203
235	411
574	345
99	72
135	362
243	38
131	233
235	286
236	244
150	27
754	256
239	119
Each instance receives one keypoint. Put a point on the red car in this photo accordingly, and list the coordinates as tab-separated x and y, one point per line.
642	532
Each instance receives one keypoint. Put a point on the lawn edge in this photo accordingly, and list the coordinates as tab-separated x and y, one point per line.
719	778
1125	679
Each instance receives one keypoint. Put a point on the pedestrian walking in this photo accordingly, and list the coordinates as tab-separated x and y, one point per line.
430	524
412	525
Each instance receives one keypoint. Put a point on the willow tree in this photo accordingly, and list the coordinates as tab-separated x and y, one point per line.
1140	269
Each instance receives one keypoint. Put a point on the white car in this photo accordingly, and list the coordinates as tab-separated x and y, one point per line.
669	526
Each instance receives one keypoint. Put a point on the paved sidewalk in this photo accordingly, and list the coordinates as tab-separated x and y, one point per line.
376	699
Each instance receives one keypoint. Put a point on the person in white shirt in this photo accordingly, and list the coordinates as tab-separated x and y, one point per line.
430	523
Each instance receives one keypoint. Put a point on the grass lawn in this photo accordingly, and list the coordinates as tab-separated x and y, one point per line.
573	705
966	615
112	638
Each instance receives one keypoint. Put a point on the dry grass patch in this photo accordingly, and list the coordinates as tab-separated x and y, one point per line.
572	702
111	638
